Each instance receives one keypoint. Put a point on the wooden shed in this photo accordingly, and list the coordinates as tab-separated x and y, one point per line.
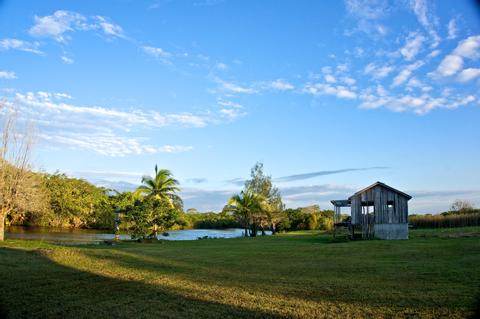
377	211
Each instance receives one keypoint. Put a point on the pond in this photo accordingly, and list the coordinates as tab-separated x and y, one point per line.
92	235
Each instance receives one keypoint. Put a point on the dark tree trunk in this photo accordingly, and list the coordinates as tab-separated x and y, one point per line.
274	229
253	230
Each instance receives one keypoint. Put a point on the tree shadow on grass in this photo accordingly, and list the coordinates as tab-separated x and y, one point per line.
32	285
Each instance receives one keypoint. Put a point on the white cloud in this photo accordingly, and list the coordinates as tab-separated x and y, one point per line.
234	88
382	72
367	14
221	66
7	75
349	80
15	44
156	52
229	104
377	72
110	144
426	19
406	72
106	131
67	60
330	78
232	113
452	29
281	85
419	104
414	83
412	46
109	28
62	22
469	48
342	68
468	74
57	24
452	63
174	148
369	68
326	89
433	54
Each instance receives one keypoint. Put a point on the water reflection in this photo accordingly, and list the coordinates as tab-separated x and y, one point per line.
91	235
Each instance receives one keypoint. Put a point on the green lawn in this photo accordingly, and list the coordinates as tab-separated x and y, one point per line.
301	275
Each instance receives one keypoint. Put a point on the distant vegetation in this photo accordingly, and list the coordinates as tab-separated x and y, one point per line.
461	214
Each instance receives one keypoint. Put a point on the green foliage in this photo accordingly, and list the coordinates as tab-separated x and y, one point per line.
162	186
259	206
70	202
306	218
154	206
210	220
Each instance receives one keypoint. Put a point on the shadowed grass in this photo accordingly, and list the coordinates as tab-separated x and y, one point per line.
298	275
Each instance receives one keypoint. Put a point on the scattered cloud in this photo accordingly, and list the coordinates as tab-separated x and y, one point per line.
57	24
450	65
110	144
109	28
15	44
330	78
452	29
377	72
406	72
367	15
412	46
221	66
453	63
419	104
426	18
233	87
67	60
468	74
61	23
107	131
156	52
304	176
7	75
281	85
326	89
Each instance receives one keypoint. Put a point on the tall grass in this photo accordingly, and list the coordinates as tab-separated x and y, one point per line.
445	221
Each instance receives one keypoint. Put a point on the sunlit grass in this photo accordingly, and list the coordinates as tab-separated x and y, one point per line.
302	275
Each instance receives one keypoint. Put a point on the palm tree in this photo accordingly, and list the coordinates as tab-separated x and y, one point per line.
245	206
163	187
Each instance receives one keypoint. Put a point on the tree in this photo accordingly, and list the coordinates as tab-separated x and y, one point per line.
19	187
160	191
462	206
262	185
244	206
77	203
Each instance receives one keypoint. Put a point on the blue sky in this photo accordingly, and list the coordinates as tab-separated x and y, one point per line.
331	96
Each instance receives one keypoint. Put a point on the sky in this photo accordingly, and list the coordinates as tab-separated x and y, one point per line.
331	96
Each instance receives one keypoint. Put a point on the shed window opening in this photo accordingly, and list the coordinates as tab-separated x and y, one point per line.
391	206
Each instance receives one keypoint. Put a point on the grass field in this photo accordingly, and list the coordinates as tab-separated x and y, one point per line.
301	275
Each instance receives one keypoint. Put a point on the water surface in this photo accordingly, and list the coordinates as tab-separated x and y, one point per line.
92	235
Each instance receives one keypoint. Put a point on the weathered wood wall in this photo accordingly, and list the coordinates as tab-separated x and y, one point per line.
380	197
